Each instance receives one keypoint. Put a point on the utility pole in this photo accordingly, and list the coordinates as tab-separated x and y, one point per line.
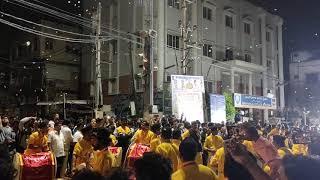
183	31
98	94
64	106
151	53
133	87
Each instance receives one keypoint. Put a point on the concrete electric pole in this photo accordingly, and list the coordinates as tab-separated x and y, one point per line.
98	87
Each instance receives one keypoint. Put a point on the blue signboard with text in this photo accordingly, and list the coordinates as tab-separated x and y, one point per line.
255	102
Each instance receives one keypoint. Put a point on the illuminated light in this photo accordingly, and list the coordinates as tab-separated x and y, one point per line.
75	5
79	2
41	90
24	67
33	62
316	34
306	88
20	90
206	28
69	2
251	47
39	67
295	92
16	94
5	87
47	72
35	90
275	9
141	54
87	10
28	43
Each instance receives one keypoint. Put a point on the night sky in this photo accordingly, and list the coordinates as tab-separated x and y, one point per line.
301	25
301	22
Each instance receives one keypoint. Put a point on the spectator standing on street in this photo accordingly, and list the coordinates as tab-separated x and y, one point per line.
56	142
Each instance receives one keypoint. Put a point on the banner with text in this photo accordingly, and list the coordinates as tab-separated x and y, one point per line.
255	102
187	97
217	108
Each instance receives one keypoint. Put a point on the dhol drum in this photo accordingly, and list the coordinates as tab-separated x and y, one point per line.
39	166
117	152
135	151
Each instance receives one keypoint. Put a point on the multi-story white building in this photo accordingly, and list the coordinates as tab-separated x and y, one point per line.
237	46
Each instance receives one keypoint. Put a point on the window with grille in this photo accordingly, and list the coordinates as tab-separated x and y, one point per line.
229	54
207	50
173	41
268	36
247	58
49	44
229	21
174	3
207	13
247	28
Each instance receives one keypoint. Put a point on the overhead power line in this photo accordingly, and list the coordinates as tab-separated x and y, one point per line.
85	22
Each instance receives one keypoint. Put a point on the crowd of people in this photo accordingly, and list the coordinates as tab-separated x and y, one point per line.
176	149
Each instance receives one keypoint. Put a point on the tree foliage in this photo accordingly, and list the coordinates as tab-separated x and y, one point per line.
230	109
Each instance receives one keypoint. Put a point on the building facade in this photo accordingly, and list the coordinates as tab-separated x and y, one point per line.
234	44
304	83
43	68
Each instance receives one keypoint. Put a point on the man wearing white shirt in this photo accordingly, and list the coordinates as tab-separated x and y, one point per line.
67	134
56	143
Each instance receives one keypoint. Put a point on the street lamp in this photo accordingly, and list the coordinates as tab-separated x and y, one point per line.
28	43
305	113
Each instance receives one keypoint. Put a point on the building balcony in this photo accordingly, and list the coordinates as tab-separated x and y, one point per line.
243	65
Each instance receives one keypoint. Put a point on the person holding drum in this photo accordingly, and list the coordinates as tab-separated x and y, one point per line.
82	150
102	159
38	140
143	135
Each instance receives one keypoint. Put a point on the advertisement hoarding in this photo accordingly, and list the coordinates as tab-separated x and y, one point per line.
187	97
217	108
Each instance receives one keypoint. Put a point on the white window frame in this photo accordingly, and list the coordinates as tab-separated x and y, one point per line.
205	13
205	50
175	41
268	36
248	55
232	20
245	28
174	4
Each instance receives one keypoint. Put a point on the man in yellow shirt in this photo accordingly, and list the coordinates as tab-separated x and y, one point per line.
167	149
190	170
217	163
123	129
299	146
186	132
143	135
279	143
83	149
38	141
102	159
213	142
